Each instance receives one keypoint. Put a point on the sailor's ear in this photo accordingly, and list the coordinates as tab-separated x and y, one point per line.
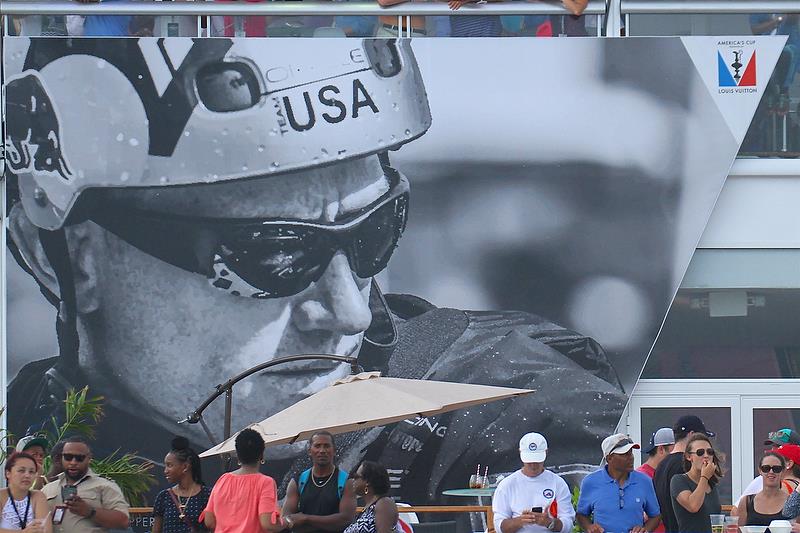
25	236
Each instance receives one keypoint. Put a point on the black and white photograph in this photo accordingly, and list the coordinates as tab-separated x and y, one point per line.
487	211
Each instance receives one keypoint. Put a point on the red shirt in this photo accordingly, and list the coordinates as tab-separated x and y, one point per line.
649	471
254	25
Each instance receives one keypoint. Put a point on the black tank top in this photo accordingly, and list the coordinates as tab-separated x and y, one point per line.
754	518
319	500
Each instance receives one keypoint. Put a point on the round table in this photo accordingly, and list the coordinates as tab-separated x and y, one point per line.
474	493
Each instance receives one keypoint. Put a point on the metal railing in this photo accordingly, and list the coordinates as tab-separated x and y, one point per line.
201	8
156	7
633	7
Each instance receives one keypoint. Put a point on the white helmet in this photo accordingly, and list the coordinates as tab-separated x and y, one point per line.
86	113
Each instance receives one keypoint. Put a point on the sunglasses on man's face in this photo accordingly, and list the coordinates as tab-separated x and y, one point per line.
701	452
267	258
69	457
776	469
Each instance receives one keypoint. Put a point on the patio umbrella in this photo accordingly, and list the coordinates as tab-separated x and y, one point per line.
366	400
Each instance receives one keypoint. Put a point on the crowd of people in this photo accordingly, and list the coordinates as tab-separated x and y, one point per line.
573	24
675	490
71	498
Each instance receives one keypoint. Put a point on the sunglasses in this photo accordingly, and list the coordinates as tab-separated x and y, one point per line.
776	469
267	258
621	498
69	457
701	452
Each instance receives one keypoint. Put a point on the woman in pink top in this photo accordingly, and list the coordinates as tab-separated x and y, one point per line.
244	501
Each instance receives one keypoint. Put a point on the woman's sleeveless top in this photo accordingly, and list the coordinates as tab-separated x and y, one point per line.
10	518
754	518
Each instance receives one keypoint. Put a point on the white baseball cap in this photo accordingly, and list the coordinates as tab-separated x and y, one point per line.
532	448
618	443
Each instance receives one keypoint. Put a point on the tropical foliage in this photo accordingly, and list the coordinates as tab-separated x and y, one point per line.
82	413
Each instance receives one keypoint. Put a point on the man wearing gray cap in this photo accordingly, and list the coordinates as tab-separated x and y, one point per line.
532	499
661	443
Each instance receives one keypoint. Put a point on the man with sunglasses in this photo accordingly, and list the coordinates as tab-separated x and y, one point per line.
81	501
244	225
615	497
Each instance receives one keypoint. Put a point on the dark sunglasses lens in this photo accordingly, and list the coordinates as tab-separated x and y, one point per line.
227	87
776	469
278	261
377	237
68	457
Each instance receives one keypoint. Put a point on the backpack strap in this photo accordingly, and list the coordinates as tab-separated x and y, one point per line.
302	481
342	481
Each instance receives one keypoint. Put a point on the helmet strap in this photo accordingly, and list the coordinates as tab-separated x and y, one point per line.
56	250
381	336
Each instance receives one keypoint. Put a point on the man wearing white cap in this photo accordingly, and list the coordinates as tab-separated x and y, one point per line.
615	498
532	499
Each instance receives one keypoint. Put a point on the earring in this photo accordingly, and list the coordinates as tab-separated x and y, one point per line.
366	491
262	461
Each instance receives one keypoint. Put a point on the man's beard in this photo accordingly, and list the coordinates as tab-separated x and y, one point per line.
78	478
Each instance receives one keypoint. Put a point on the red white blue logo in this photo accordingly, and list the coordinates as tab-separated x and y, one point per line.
737	66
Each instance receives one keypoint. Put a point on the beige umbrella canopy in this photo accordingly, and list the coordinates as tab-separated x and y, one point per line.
366	400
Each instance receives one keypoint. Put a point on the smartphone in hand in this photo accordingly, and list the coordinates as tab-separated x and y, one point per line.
68	492
536	509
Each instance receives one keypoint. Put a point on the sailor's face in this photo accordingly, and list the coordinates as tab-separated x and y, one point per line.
167	330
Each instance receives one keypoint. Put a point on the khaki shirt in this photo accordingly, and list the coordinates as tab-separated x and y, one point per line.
99	493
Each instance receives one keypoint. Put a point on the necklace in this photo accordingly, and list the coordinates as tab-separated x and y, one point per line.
182	506
320	485
181	503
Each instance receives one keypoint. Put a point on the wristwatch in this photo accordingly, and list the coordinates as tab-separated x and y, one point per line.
552	524
92	513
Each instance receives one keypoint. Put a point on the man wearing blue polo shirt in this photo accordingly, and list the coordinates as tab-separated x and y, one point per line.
105	25
615	498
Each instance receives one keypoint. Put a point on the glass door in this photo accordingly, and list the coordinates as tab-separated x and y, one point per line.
719	413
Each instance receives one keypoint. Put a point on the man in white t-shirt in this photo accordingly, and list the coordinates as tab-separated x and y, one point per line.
532	499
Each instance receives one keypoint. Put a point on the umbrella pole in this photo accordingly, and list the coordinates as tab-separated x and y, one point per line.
227	389
227	461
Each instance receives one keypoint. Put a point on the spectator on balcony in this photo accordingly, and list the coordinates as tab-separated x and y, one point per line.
475	25
242	26
789	61
105	25
387	25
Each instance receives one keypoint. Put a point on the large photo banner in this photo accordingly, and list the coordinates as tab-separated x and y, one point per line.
514	212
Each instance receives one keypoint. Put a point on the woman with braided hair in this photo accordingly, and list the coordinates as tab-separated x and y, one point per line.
177	509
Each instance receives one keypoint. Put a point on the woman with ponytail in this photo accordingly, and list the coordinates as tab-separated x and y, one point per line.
177	509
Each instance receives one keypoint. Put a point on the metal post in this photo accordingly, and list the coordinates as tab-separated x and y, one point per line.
228	411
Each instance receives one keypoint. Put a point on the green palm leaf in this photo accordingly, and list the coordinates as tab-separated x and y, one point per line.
81	414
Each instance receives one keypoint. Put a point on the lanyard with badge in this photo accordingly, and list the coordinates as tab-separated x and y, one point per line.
23	520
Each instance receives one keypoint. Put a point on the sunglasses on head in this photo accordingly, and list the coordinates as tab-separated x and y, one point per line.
69	457
701	452
267	258
776	469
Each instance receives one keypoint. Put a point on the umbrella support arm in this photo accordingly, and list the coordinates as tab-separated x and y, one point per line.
227	388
